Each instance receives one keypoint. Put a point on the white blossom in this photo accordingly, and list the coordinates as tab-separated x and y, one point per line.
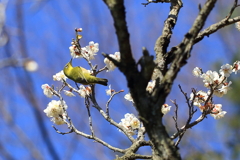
75	52
236	67
165	108
87	52
92	49
197	72
68	93
217	107
200	97
217	112
219	115
109	63
237	24
150	86
130	123
79	29
225	87
109	91
210	76
129	131
218	93
226	70
207	85
129	116
55	108
59	76
129	97
84	91
221	89
135	123
47	90
218	80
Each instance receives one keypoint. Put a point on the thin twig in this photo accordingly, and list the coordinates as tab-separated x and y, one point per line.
110	99
235	5
62	133
105	116
179	138
91	137
191	110
87	104
198	120
73	129
205	112
77	85
62	87
69	86
102	69
77	41
176	114
215	27
95	105
176	123
156	1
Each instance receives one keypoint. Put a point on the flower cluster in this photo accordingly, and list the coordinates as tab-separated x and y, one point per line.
59	76
87	52
55	110
130	123
217	84
217	112
84	91
109	63
200	97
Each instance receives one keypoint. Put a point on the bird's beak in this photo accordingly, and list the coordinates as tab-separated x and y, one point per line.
70	61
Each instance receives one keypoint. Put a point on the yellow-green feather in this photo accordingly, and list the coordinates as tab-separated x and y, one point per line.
81	75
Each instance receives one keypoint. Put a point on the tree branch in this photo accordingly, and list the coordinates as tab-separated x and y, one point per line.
163	41
117	10
215	27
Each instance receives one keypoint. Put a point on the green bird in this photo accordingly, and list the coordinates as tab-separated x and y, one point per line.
81	75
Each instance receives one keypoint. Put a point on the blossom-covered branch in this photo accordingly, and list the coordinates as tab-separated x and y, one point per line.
218	85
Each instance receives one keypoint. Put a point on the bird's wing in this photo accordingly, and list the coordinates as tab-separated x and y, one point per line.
83	73
84	70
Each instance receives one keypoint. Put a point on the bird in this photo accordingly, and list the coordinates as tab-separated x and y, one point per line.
81	75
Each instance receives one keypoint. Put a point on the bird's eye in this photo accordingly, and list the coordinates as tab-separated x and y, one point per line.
66	66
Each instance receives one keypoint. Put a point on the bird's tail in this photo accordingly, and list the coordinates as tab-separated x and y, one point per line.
102	81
